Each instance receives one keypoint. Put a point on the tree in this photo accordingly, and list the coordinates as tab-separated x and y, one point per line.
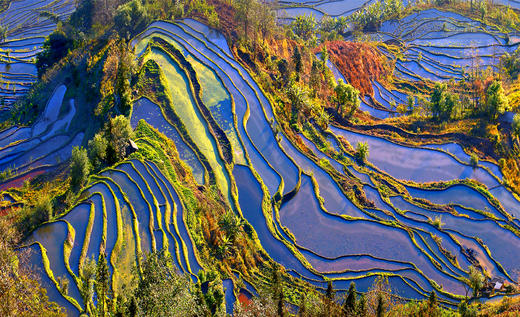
97	148
212	301
496	100
410	102
3	32
347	98
20	292
243	14
466	310
473	160
79	167
362	308
324	57
88	279
516	125
231	224
323	118
432	300
120	132
55	47
381	306
315	77
442	102
302	309
130	18
103	286
476	280
304	26
161	291
350	300
123	93
266	18
330	291
361	151
297	61
283	68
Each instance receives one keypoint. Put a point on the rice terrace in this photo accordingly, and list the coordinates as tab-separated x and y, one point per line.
260	158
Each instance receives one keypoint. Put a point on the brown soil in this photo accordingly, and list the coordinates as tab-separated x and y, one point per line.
360	63
18	182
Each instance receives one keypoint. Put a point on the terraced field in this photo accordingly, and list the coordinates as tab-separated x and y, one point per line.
28	23
29	151
420	216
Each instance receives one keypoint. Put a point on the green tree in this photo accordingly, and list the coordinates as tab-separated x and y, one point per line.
362	308
97	150
120	132
466	310
231	224
432	300
442	102
350	301
88	279
161	291
362	151
473	160
20	292
55	47
381	306
476	280
79	167
346	99
515	126
103	286
123	93
212	301
130	18
324	58
243	14
3	32
304	26
496	100
297	61
283	68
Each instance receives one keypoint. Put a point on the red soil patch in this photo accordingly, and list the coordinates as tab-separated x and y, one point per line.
360	63
243	299
18	182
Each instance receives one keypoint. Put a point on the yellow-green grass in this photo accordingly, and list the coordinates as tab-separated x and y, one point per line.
213	91
159	216
184	105
130	249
